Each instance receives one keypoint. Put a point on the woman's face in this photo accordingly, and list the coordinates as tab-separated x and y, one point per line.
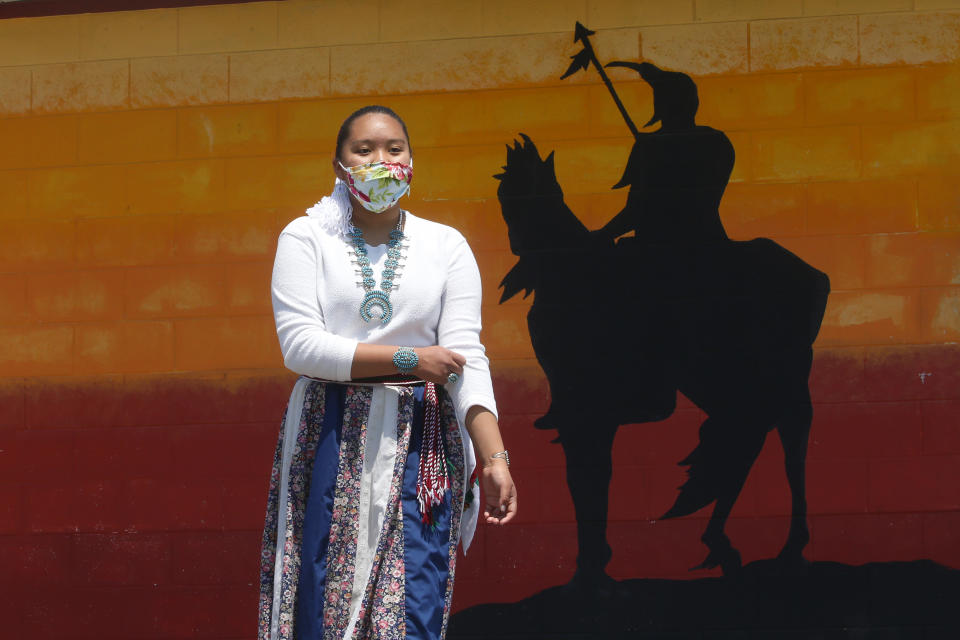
374	137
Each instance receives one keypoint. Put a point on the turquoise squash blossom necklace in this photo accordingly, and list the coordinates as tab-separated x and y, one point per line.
378	297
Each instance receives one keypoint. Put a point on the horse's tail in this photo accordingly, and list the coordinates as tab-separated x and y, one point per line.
718	465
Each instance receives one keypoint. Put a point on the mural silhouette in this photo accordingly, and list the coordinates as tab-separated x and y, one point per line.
620	324
676	307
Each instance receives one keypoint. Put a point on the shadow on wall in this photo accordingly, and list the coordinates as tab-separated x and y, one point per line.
619	325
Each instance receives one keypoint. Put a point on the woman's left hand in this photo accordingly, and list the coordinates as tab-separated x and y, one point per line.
499	493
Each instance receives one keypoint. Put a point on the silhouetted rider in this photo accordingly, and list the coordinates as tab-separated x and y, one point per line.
676	174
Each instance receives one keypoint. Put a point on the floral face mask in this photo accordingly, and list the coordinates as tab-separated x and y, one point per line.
379	185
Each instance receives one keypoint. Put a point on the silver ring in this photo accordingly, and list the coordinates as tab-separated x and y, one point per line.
452	378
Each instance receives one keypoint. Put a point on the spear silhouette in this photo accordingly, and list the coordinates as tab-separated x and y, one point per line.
582	60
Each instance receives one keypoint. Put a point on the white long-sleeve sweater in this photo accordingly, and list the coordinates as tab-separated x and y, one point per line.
436	300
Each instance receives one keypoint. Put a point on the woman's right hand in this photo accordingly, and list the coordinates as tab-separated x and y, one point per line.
436	363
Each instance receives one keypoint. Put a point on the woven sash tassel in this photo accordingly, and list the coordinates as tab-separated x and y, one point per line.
432	478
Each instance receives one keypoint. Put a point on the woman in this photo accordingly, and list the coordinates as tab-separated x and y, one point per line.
379	313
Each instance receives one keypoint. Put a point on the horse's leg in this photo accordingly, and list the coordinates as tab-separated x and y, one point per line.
589	468
743	448
722	554
794	431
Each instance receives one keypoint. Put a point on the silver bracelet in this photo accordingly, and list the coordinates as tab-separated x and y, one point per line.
502	454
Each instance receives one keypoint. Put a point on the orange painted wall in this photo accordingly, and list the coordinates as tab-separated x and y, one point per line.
149	159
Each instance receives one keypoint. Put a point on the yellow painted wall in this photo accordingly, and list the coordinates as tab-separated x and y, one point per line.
149	158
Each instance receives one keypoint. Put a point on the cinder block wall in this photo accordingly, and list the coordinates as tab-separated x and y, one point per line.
148	160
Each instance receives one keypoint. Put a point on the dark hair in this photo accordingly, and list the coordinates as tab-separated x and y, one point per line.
370	108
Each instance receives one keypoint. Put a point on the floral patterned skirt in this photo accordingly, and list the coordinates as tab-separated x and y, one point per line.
346	553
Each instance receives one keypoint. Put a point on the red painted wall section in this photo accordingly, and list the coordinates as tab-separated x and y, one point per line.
124	498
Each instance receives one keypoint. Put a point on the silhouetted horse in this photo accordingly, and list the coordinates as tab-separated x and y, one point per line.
619	328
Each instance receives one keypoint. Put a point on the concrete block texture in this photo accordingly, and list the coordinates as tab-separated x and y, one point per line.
870	318
755	101
938	92
14	91
925	5
237	236
910	38
128	34
173	81
228	27
226	343
175	291
725	10
313	23
269	182
870	206
940	314
311	125
779	45
698	49
602	14
508	17
859	96
78	296
226	130
911	148
770	210
939	202
183	186
277	75
77	192
562	113
603	119
836	7
822	153
246	282
913	260
37	244
843	257
81	86
470	63
430	20
36	350
123	347
13	194
126	241
38	142
27	41
13	301
130	136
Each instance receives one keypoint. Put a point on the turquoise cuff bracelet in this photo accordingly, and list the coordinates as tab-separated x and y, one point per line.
405	359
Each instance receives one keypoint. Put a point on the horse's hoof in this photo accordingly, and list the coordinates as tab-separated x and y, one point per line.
594	584
728	559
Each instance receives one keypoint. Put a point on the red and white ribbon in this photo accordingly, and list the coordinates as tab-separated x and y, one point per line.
432	478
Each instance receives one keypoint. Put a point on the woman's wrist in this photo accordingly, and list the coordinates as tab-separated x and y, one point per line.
499	457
